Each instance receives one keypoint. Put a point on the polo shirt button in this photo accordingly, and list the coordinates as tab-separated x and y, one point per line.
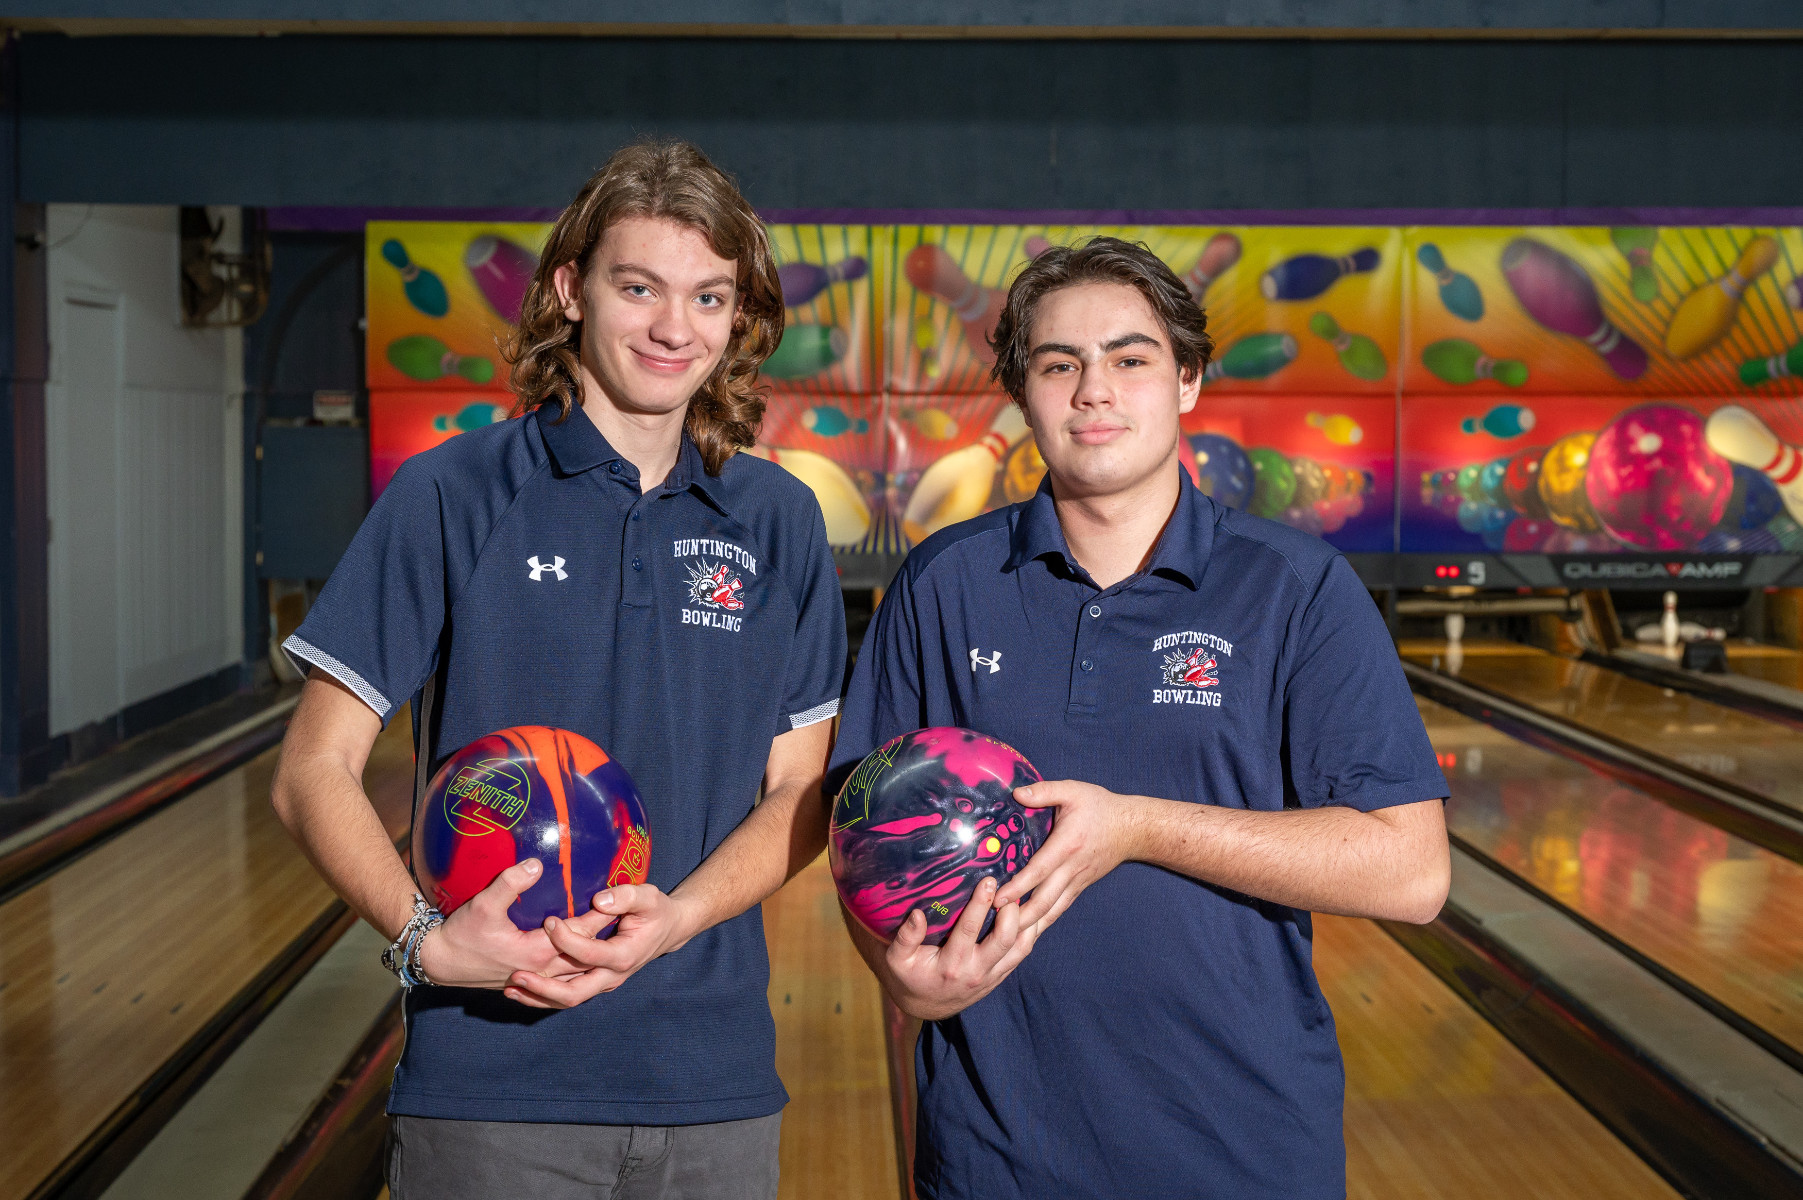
637	565
637	515
1088	664
613	468
1095	610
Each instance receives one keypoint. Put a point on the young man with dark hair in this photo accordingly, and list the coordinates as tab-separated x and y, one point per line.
1229	743
544	571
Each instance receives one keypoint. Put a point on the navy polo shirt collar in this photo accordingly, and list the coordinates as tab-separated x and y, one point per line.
1181	554
576	446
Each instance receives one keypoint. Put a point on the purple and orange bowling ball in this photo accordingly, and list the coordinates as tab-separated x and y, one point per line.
923	819
530	792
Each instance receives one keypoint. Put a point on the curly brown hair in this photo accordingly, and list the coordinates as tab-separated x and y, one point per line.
1099	260
672	181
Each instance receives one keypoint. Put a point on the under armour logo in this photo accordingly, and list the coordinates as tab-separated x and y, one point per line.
993	662
539	568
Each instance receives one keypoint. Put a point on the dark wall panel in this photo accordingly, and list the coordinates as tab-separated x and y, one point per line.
918	124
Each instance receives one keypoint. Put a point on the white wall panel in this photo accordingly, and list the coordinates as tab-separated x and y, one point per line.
143	469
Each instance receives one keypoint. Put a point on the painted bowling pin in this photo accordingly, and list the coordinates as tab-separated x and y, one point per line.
1636	242
1793	293
1457	361
829	420
1738	436
1358	354
802	281
847	516
1337	428
1704	317
1220	253
1503	421
929	268
957	487
1253	357
1308	275
1554	290
1458	291
423	289
1788	365
470	416
502	271
425	358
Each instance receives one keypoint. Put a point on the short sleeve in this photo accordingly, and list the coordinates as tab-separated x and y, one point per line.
816	670
1353	736
885	697
376	625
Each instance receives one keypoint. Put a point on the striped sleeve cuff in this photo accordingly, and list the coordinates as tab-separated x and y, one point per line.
813	716
305	654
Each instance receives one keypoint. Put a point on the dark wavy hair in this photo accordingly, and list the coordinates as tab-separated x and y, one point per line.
672	181
1099	260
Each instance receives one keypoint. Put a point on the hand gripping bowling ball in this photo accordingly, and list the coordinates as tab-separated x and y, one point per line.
530	792
923	819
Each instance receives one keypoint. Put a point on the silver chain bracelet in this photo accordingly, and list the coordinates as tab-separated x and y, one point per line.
402	957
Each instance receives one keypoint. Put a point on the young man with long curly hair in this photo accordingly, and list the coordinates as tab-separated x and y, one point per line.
607	563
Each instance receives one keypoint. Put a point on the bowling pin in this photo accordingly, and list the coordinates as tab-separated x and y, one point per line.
1455	628
1458	291
1503	421
1688	631
1788	365
829	421
1668	621
502	271
806	350
1636	244
1793	293
933	271
1555	291
1308	275
1253	357
1739	436
1704	317
1220	253
1457	361
1358	354
802	281
847	516
423	289
470	416
934	424
957	487
425	358
1337	428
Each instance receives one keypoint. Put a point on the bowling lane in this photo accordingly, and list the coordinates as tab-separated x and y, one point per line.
1720	913
111	965
1751	660
838	1132
1441	1105
1760	755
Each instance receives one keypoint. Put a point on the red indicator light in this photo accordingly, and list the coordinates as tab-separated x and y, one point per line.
1446	571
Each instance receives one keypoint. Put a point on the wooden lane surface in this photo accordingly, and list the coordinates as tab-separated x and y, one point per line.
1760	755
1752	660
1722	914
838	1134
111	965
1439	1105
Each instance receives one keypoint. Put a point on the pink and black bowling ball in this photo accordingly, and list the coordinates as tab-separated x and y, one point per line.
1654	482
530	792
925	818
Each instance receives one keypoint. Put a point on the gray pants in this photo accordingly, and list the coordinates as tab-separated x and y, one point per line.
431	1159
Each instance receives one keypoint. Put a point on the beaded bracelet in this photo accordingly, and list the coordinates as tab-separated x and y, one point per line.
403	956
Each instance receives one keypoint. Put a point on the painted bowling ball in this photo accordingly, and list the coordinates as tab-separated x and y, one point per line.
1223	469
1274	482
1521	483
530	792
1025	468
1754	503
1562	474
922	820
1311	482
1654	482
1492	479
1526	535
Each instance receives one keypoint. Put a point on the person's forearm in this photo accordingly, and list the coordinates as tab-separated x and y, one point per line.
783	834
1329	859
328	814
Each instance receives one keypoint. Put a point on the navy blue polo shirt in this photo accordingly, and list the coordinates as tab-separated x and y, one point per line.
1165	1037
681	630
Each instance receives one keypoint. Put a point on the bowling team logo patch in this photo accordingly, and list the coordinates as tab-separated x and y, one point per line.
1189	668
487	797
716	586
